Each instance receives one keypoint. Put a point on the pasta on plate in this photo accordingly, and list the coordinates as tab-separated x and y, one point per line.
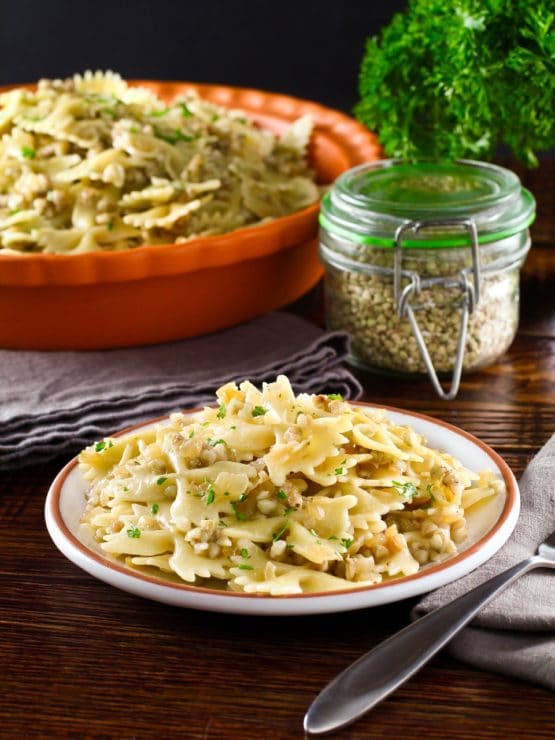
91	164
275	494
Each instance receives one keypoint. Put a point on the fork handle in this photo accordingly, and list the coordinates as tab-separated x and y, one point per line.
382	670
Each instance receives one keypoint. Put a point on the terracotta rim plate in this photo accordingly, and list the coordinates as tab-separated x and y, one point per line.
489	528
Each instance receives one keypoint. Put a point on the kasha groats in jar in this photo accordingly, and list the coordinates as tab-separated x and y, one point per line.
423	263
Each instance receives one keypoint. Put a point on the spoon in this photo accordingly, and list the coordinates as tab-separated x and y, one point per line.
387	666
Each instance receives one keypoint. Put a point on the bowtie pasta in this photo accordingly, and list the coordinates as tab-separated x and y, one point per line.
89	164
276	494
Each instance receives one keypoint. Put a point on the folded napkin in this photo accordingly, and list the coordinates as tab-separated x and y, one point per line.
53	403
515	633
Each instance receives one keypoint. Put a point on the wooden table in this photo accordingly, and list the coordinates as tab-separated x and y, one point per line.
80	658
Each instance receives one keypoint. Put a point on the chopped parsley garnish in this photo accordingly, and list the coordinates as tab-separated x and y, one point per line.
347	543
340	471
99	446
191	434
210	494
221	411
245	567
222	523
214	442
159	113
408	489
280	532
315	534
110	225
245	553
185	110
289	510
243	497
204	423
172	137
15	210
154	508
215	117
161	480
134	130
335	396
259	411
28	152
239	515
134	532
282	495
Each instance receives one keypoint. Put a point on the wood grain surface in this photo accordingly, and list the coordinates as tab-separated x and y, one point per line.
79	658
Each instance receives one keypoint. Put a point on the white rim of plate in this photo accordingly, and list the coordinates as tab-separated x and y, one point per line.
206	599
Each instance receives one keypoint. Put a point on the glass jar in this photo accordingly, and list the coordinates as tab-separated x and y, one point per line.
423	262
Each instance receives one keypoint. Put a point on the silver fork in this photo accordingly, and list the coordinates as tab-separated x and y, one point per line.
382	670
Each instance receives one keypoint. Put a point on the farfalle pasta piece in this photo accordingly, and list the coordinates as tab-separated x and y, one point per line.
297	136
150	542
188	565
99	83
164	216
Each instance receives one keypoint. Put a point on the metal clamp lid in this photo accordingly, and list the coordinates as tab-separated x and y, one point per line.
470	297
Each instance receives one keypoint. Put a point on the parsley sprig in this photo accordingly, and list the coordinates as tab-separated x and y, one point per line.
455	78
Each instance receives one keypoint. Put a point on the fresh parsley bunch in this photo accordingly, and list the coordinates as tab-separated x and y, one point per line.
455	78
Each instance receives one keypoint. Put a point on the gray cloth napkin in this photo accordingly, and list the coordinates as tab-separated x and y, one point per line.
53	403
515	633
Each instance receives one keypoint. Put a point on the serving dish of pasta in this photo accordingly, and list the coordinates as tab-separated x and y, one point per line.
92	164
118	195
274	503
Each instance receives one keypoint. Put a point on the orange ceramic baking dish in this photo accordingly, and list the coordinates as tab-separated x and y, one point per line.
161	293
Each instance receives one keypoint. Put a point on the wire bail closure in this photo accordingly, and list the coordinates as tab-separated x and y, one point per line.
470	289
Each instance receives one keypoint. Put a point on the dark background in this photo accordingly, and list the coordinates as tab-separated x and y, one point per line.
311	49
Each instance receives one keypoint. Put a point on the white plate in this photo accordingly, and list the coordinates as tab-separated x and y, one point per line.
489	528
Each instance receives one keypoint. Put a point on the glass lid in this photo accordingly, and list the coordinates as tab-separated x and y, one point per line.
368	203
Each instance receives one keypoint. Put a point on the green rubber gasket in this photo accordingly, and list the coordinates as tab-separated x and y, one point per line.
457	241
